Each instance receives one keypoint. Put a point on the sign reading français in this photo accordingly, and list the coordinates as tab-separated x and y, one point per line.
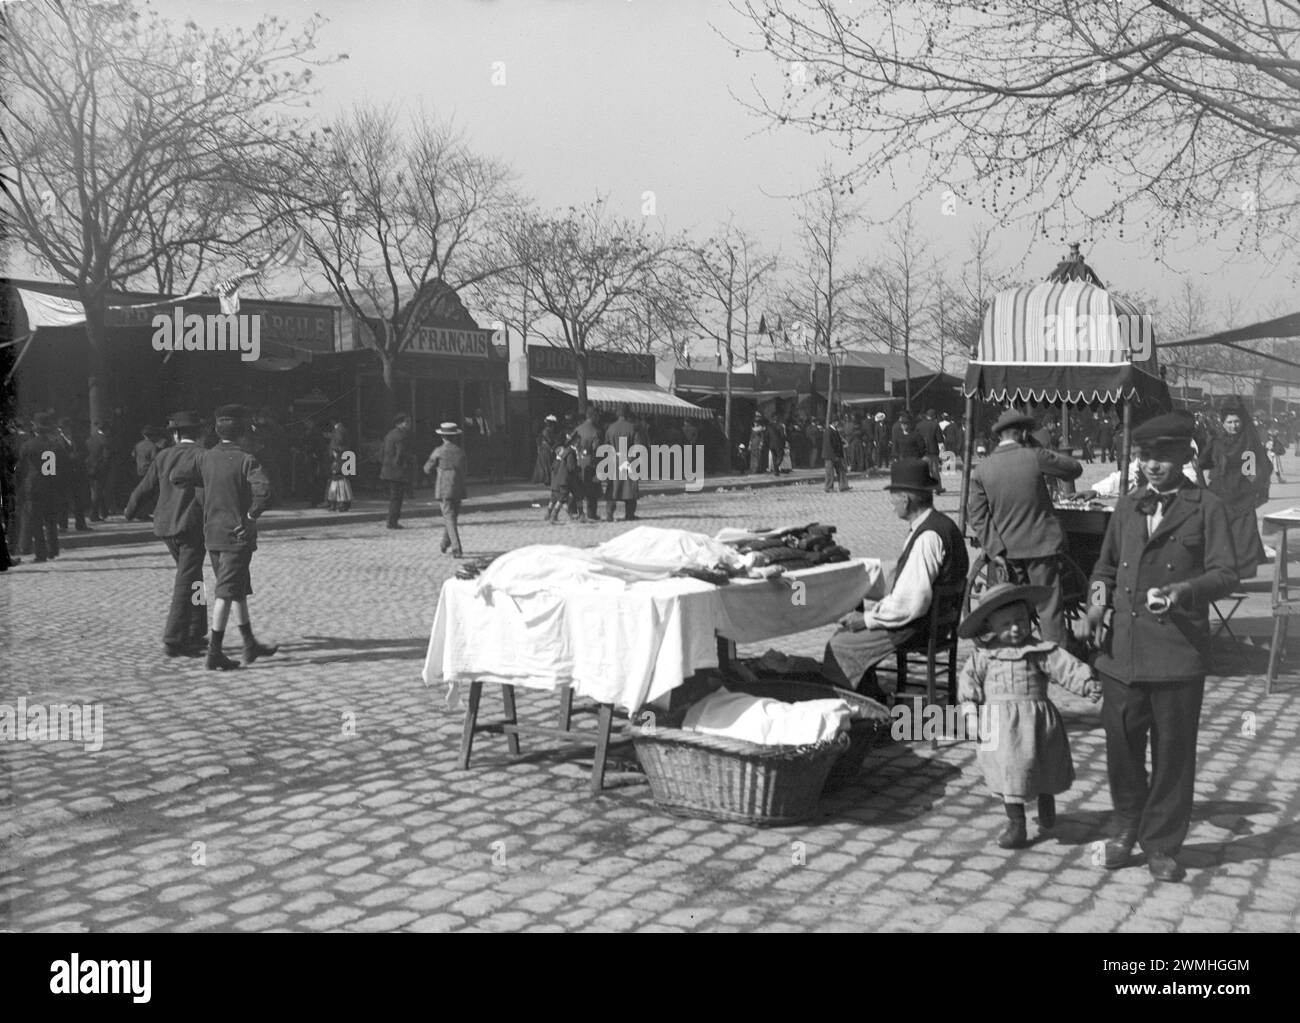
473	344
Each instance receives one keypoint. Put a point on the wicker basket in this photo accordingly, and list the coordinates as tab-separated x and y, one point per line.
864	733
721	779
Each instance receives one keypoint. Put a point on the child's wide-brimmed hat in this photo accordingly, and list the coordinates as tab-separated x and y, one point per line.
1001	595
448	430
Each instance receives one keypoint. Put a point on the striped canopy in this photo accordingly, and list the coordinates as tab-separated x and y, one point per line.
1069	341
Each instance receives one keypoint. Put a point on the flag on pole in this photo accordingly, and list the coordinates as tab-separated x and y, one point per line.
226	288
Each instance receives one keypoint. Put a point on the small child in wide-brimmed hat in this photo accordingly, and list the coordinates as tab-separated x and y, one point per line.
1024	752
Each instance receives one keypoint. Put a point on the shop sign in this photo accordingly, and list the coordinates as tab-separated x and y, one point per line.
546	361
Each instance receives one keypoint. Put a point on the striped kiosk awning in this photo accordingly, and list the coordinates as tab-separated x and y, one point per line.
639	397
1072	342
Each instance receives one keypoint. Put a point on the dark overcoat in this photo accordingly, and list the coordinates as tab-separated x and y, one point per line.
1009	507
396	466
1192	544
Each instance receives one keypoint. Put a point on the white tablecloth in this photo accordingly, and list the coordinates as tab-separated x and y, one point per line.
632	646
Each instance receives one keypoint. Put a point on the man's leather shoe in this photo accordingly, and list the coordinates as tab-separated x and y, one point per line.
1014	835
1164	868
1119	851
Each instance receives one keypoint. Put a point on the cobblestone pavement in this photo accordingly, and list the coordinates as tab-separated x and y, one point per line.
317	790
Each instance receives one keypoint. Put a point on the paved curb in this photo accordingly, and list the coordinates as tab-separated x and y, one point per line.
302	518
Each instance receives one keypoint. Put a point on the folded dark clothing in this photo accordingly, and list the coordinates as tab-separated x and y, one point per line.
704	574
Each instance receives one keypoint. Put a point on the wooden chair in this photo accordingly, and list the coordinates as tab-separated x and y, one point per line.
939	641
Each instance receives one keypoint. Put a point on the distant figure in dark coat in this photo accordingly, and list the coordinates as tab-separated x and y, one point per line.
396	468
1237	468
178	522
40	492
833	457
623	435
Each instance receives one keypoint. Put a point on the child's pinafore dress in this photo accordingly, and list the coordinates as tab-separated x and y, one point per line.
1024	751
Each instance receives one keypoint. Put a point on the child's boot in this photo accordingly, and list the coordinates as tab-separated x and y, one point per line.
1047	812
1014	835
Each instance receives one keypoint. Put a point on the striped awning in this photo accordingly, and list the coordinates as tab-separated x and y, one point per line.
639	397
1069	341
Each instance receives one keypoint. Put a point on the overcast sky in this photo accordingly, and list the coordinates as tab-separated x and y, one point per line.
623	97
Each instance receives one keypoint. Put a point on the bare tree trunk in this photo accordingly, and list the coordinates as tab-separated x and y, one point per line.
97	397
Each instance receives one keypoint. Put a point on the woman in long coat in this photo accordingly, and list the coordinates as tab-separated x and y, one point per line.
546	441
1237	467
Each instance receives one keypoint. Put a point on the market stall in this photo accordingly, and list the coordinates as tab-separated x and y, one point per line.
628	622
1065	342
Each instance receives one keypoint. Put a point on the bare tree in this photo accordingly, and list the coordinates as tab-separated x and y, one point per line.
900	291
399	222
729	268
1185	113
824	298
583	267
131	149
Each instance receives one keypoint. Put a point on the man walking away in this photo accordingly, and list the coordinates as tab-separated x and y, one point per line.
448	461
178	522
396	468
235	493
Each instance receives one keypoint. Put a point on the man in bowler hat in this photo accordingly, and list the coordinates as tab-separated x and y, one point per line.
178	522
1012	516
235	493
1166	556
396	468
934	555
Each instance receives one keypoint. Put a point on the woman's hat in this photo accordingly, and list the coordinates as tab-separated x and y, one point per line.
911	474
880	417
551	419
1012	418
448	430
996	597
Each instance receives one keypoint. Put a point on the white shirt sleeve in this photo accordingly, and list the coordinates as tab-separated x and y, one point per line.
913	589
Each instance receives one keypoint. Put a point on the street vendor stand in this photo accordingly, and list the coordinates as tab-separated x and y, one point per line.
624	648
1064	342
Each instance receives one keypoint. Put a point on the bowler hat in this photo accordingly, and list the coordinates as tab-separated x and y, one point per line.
996	597
1170	428
233	413
911	474
1012	418
183	419
448	430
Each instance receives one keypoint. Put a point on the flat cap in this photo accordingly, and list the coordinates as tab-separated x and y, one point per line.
234	413
1172	427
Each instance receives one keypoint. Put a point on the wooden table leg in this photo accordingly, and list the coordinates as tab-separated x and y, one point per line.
566	707
508	698
603	725
471	722
726	653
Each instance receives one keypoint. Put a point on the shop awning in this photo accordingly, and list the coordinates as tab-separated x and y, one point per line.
865	399
737	392
639	397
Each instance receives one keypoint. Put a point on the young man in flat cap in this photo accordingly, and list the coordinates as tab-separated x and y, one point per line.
1167	555
178	522
235	492
1012	516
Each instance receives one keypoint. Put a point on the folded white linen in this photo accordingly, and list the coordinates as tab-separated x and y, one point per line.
766	721
552	568
650	547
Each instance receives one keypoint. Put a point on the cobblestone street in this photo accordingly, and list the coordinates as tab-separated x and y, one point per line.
317	790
